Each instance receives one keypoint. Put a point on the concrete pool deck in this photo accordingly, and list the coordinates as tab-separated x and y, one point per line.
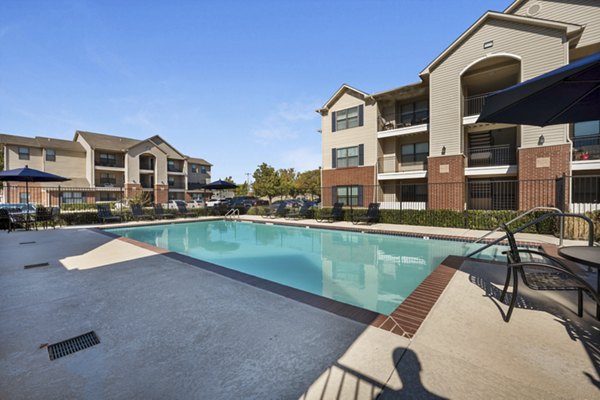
171	330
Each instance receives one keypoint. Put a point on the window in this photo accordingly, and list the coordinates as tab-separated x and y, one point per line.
414	193
349	195
108	196
50	155
413	113
346	119
107	179
347	157
194	169
414	152
23	153
23	197
586	128
72	197
171	181
109	160
203	169
171	165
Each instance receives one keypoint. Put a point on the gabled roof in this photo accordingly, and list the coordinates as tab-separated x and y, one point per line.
106	142
199	161
158	141
343	89
150	142
41	142
515	4
571	30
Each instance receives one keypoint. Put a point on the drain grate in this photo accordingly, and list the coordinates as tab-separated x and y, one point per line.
26	242
72	345
44	264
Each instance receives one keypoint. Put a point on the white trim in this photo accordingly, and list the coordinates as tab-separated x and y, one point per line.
409	130
471	119
493	170
402	175
585	165
490	55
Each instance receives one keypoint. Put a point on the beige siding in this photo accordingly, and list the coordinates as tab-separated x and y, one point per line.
366	134
540	50
132	160
89	159
35	158
579	12
68	163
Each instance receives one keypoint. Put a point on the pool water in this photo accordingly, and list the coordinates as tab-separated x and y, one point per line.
373	271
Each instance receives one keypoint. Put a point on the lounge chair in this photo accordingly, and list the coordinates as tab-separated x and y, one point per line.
105	215
304	212
43	216
138	213
548	273
275	211
183	211
160	213
371	217
336	214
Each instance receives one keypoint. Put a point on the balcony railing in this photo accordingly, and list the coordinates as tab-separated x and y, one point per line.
392	121
110	163
491	155
107	182
174	168
390	164
474	104
586	148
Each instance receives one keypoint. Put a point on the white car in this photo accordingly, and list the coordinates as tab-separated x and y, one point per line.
214	202
196	204
172	204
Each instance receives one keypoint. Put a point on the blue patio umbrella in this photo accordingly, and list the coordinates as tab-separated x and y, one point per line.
565	95
29	175
220	184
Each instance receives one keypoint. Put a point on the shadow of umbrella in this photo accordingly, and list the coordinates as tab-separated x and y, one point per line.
29	175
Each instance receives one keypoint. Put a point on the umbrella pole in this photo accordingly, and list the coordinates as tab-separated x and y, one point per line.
27	205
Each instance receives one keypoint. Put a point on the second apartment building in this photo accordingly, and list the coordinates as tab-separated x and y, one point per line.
420	146
105	167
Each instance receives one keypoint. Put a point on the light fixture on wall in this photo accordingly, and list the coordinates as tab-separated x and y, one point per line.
541	140
443	150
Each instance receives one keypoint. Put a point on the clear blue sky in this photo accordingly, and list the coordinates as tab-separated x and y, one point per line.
234	82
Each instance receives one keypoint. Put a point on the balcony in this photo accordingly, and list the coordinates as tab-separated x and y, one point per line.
474	104
107	182
586	148
489	156
110	163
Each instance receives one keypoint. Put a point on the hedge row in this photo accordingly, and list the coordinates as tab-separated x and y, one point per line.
471	219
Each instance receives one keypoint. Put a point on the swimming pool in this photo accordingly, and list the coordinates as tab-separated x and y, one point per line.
373	271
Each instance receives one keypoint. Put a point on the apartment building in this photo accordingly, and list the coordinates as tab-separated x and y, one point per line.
111	165
420	146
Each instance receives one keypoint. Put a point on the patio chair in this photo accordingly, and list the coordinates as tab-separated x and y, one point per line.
160	213
138	213
336	214
371	217
105	215
304	212
55	217
43	216
5	220
275	211
183	211
546	274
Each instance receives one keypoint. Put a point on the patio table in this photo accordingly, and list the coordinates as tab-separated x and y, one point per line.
586	255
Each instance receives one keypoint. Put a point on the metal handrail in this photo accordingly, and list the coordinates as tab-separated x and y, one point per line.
232	213
537	221
518	217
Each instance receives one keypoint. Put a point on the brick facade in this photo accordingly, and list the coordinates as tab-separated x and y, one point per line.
132	190
364	176
446	182
538	169
161	194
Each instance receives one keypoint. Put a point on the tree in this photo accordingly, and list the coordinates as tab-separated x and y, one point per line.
229	179
242	190
266	181
309	182
287	182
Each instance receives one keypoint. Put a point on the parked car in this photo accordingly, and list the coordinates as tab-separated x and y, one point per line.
172	204
243	201
196	204
218	202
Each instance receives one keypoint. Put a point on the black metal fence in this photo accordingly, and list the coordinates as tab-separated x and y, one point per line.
577	194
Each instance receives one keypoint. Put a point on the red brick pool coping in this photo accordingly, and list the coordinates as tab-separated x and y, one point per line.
405	320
